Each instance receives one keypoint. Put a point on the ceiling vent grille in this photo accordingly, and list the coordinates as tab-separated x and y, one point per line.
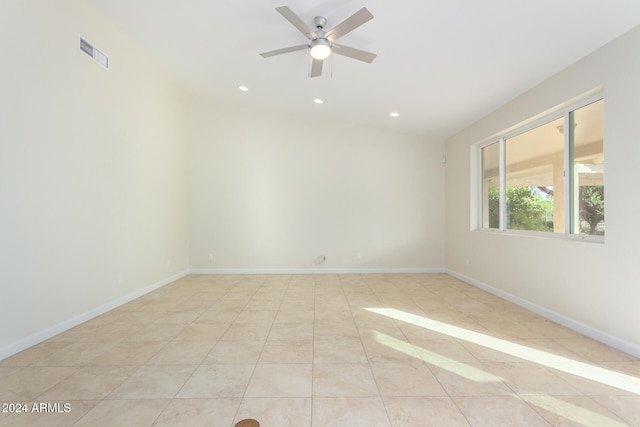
94	53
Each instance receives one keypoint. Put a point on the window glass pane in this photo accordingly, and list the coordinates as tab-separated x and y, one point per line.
534	179
491	186
588	169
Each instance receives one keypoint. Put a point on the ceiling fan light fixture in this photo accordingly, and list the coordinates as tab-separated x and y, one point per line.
320	49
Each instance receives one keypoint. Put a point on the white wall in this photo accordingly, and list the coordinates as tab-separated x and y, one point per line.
271	191
92	170
592	287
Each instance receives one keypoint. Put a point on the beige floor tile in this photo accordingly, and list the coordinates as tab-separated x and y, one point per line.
495	411
339	351
335	331
530	378
199	412
488	354
287	352
390	350
217	381
297	305
53	414
130	413
202	332
246	332
34	354
371	331
339	379
448	350
627	368
626	407
256	316
235	352
419	333
511	330
424	412
333	316
280	380
552	330
291	332
545	349
230	342
181	353
597	381
76	354
156	332
218	315
263	304
574	411
99	332
89	383
593	350
349	411
469	379
129	353
231	302
153	382
180	316
27	383
295	316
322	306
117	324
276	412
362	316
401	379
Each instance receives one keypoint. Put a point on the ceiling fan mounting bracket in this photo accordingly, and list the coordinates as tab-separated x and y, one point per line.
320	22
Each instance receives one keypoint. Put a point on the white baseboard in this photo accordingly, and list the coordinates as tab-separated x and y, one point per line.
250	271
561	319
38	337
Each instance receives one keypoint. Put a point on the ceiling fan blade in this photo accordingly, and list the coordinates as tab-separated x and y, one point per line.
297	22
316	68
354	53
349	24
285	50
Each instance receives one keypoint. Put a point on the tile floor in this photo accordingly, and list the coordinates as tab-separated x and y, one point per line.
325	350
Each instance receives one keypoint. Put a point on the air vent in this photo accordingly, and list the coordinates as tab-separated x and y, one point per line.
94	53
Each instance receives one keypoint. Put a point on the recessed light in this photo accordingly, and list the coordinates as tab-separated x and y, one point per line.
318	101
243	88
394	114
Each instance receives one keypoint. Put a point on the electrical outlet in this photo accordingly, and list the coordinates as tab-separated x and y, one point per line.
210	257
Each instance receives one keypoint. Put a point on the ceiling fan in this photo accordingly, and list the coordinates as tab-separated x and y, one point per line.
323	43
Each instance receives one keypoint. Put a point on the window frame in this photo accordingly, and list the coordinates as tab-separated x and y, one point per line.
565	111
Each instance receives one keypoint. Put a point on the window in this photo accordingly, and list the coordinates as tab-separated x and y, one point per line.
547	176
491	186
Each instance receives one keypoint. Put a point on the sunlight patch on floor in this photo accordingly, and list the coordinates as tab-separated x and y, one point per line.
459	368
550	360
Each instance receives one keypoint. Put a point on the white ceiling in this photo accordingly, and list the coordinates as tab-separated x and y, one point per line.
442	64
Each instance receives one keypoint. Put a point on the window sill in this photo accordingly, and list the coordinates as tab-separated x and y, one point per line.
545	235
